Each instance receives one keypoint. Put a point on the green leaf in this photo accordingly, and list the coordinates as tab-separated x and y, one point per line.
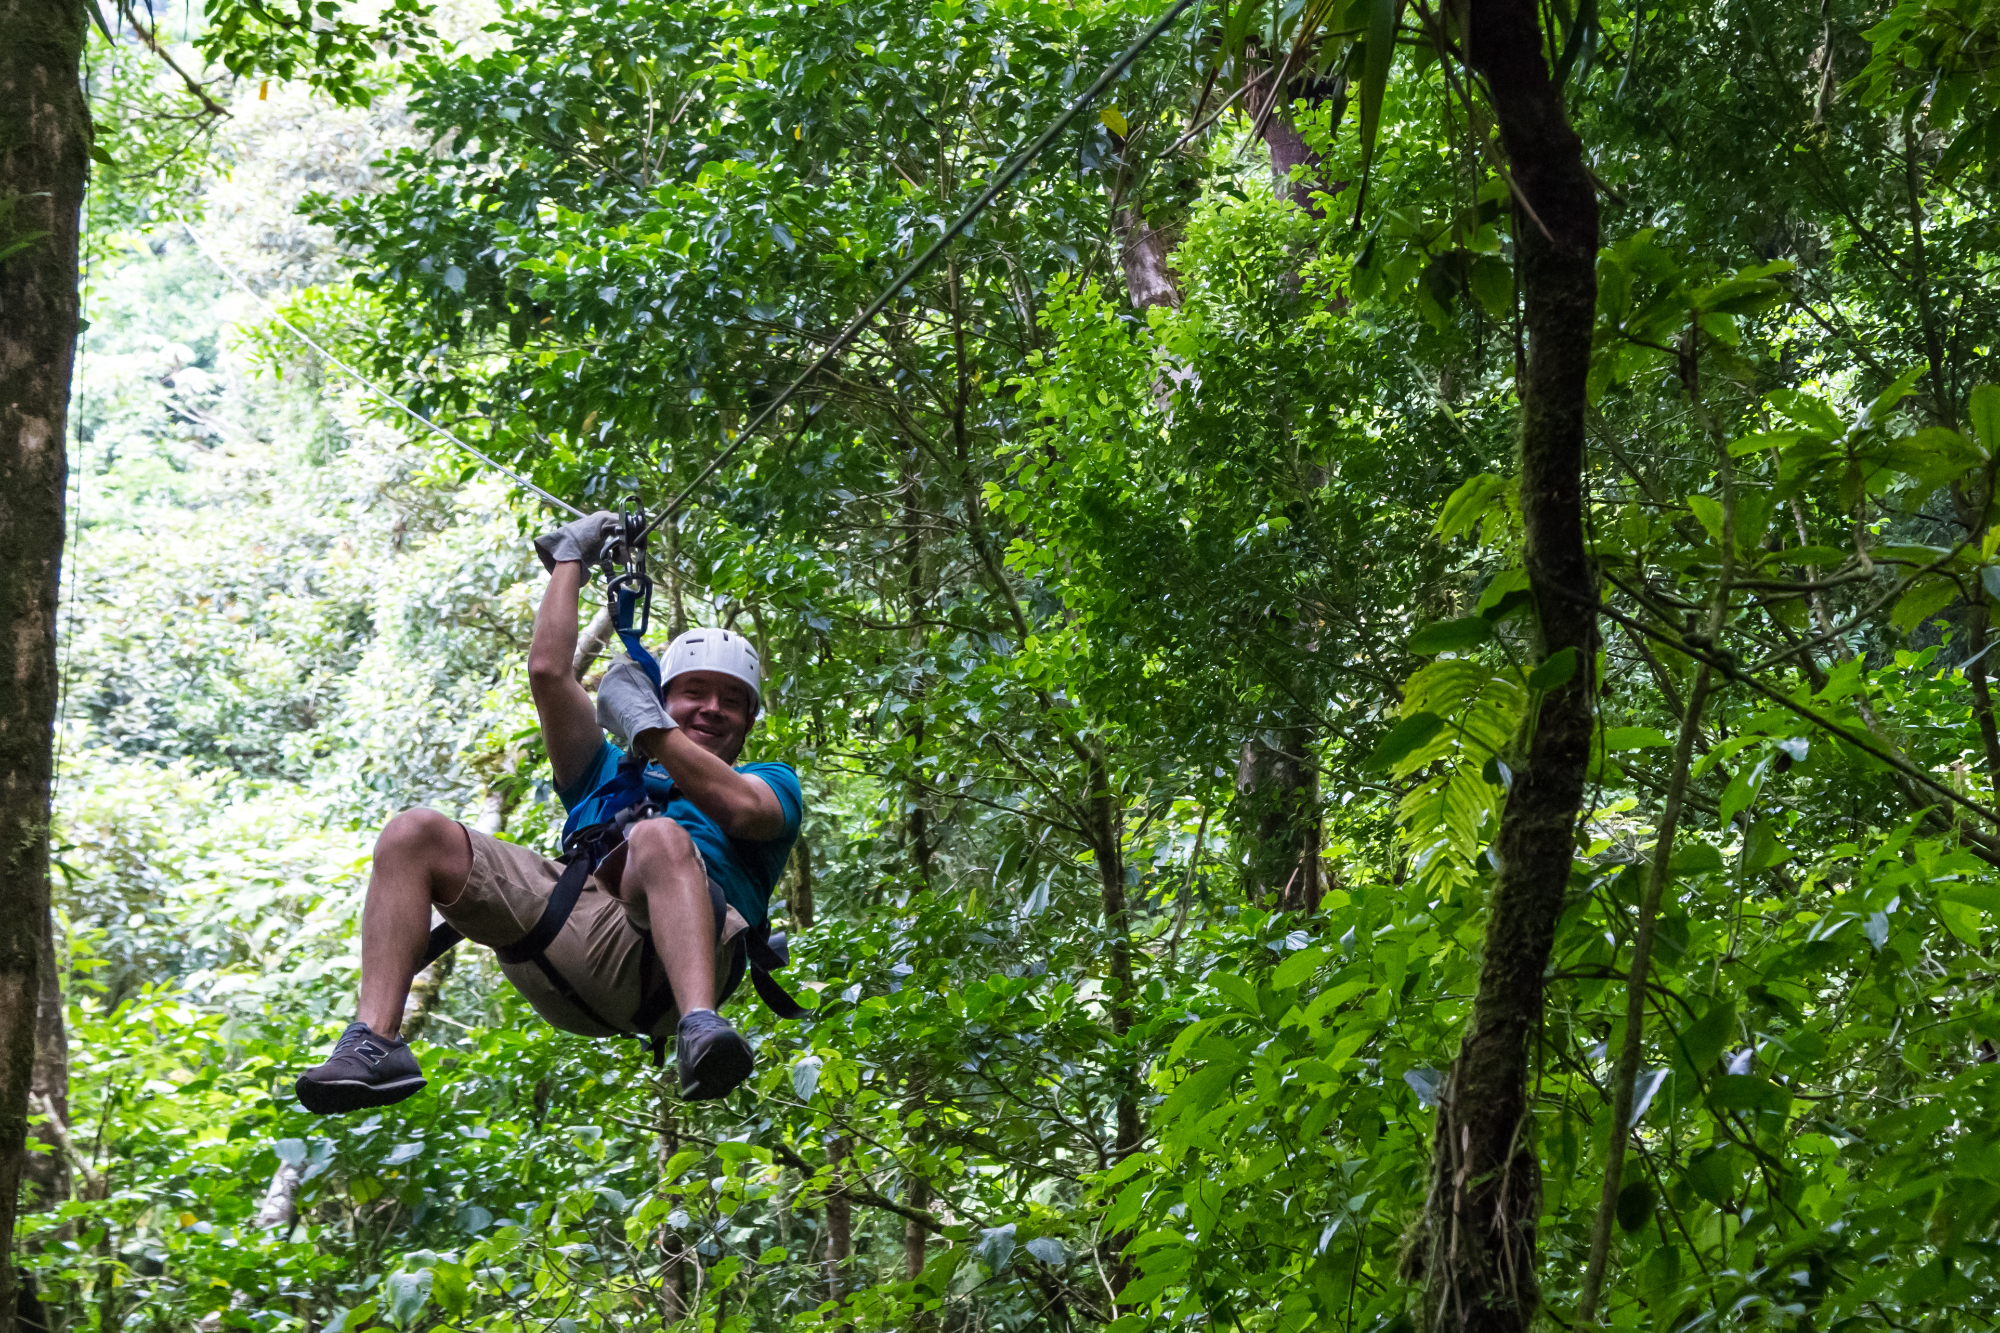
1931	595
1753	517
409	1293
1824	556
1983	895
1712	1175
1749	1092
1932	456
1695	858
1815	414
1236	989
1451	636
1899	389
1704	1038
1960	920
1635	1204
1297	968
1471	502
1985	413
1411	734
1579	39
1762	849
1492	283
1633	738
1506	593
1708	512
1757	443
1554	671
1200	1090
1378	53
1740	794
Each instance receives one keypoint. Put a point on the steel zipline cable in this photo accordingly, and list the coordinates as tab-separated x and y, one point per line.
371	385
1008	174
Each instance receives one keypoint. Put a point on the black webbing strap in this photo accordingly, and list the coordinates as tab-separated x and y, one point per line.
656	997
767	953
533	947
443	936
562	901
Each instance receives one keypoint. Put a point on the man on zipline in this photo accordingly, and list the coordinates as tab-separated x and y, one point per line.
685	895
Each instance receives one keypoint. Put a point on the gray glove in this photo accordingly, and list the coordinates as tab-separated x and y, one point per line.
628	706
583	540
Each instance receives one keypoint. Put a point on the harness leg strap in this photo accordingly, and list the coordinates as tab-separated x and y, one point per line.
533	947
444	936
767	953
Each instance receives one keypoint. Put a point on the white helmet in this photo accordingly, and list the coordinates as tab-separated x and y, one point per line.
715	650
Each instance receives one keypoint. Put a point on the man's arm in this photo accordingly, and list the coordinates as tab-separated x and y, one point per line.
569	721
742	804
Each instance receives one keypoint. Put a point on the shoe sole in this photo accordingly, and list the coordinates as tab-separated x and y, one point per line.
724	1071
342	1096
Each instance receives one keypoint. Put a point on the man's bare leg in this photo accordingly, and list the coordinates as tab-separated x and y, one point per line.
663	864
421	858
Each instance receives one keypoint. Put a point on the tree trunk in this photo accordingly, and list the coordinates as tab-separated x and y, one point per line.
916	1236
918	824
673	1245
677	615
590	643
1142	257
1288	148
44	157
47	1169
1276	784
1478	1259
1278	806
1107	842
280	1207
1108	850
839	1222
1970	500
799	889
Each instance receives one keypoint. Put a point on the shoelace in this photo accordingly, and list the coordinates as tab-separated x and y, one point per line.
360	1043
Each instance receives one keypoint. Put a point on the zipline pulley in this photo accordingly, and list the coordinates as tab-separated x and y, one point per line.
627	585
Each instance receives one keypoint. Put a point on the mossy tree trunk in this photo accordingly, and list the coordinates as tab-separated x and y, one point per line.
1478	1256
44	158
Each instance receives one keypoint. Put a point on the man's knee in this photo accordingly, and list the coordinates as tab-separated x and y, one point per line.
424	838
661	842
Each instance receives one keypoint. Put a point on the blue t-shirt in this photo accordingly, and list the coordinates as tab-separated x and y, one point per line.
747	871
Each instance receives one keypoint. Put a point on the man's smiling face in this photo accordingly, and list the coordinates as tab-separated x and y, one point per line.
714	709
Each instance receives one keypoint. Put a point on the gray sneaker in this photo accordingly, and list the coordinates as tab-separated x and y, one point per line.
711	1056
366	1069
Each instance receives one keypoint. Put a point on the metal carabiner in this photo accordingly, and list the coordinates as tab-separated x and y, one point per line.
630	590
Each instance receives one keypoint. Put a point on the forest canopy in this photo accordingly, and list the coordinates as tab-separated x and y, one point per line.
1388	659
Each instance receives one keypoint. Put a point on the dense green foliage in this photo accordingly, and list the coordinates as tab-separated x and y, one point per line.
1028	569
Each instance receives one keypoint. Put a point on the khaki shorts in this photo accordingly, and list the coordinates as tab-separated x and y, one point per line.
597	950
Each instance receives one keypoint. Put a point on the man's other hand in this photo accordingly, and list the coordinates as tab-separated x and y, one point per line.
583	540
628	703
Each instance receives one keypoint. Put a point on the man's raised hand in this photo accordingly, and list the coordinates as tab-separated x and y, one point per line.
583	540
628	703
